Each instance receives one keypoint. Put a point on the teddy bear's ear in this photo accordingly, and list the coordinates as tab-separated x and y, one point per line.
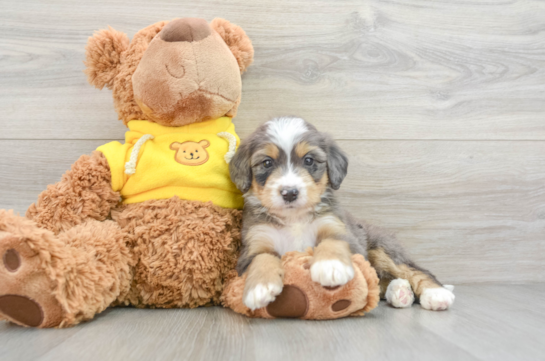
204	143
103	56
175	146
237	40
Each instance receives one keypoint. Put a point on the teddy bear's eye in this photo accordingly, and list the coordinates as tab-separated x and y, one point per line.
184	151
196	151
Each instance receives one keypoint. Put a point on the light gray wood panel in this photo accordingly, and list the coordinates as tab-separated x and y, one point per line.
469	211
487	322
220	334
362	69
496	312
27	167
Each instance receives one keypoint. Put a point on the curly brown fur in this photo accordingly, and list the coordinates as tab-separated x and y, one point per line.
88	267
103	56
236	39
83	193
125	105
185	251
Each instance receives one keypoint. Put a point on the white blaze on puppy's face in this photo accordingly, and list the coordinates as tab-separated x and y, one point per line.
285	133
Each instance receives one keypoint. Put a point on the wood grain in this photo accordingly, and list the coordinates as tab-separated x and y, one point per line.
361	69
469	211
487	322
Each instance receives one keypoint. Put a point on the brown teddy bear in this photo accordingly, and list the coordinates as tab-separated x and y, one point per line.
305	299
139	223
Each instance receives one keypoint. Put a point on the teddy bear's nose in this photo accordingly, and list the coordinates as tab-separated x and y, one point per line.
186	29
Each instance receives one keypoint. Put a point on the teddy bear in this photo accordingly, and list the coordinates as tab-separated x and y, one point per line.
153	222
302	298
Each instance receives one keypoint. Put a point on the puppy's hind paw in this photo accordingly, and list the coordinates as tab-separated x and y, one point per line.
436	299
399	293
261	295
331	272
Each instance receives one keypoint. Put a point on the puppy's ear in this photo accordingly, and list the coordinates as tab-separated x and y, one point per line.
236	39
240	167
103	56
337	164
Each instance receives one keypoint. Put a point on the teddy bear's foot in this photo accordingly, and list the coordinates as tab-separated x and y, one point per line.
399	293
26	293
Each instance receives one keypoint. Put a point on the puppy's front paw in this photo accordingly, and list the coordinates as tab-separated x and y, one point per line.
331	272
436	299
261	295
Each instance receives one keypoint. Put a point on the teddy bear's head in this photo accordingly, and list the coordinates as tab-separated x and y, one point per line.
172	73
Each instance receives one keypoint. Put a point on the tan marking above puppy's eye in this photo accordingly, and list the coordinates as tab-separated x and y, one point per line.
271	150
302	148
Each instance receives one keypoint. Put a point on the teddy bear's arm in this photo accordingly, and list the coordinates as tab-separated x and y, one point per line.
84	193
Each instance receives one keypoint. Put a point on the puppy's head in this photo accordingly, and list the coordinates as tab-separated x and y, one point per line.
286	164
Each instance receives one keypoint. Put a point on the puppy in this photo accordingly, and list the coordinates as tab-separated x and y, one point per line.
288	172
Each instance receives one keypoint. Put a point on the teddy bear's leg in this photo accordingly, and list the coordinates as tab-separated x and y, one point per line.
59	281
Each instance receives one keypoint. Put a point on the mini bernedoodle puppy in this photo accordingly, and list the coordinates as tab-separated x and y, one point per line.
288	172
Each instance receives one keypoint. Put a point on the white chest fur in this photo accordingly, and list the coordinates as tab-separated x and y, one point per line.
296	235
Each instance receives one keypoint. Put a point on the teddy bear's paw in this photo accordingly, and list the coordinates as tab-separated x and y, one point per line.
436	299
26	296
331	273
399	293
261	295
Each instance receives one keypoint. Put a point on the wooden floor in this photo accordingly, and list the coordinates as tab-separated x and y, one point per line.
488	322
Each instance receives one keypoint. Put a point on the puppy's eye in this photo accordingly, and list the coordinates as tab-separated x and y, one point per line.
267	163
309	161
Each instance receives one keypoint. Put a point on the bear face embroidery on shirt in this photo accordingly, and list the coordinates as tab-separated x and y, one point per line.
191	153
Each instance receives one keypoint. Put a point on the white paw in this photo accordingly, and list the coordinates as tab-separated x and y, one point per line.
399	293
331	272
261	295
436	299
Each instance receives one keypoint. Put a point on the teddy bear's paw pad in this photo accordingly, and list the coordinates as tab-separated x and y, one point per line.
436	299
340	305
331	273
291	303
26	296
399	293
21	310
261	295
11	260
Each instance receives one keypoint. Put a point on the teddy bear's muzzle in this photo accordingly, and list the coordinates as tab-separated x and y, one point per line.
187	29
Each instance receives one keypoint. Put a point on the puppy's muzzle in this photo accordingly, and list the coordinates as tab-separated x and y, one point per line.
289	194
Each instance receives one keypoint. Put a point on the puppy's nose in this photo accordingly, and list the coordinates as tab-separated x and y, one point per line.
289	194
187	29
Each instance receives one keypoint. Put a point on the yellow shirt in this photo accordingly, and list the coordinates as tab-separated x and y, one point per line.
188	162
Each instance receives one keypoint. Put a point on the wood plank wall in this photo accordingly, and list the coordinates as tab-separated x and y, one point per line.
440	104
